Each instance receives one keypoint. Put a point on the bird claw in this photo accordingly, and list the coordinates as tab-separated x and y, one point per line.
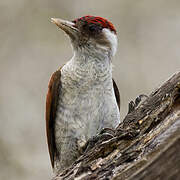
108	131
105	134
134	105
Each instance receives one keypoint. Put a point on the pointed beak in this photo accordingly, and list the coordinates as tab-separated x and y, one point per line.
66	26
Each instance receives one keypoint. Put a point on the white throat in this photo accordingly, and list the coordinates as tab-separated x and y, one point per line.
93	63
89	68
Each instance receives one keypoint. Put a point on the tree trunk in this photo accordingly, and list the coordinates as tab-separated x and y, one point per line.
146	144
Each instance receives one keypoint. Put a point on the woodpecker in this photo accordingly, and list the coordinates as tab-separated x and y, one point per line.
82	97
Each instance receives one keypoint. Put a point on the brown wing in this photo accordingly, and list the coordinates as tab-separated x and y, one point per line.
51	107
117	94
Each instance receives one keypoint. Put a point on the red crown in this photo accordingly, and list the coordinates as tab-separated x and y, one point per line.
96	19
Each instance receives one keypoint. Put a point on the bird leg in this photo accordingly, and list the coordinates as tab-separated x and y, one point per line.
133	105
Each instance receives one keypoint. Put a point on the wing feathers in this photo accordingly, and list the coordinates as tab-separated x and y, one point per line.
51	107
117	94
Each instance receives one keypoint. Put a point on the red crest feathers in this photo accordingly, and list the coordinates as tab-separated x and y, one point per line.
96	19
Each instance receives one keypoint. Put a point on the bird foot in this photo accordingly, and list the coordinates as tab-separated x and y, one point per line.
105	134
133	105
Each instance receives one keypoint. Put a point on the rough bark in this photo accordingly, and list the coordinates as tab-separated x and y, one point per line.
145	146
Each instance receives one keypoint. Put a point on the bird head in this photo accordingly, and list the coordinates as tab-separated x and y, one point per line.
90	32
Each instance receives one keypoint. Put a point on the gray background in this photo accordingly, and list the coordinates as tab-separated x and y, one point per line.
31	48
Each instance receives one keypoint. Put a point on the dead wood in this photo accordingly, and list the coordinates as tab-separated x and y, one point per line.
146	145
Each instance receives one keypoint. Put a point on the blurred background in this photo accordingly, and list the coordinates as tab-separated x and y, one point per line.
31	48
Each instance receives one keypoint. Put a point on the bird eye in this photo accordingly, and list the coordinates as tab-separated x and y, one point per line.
92	28
95	28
